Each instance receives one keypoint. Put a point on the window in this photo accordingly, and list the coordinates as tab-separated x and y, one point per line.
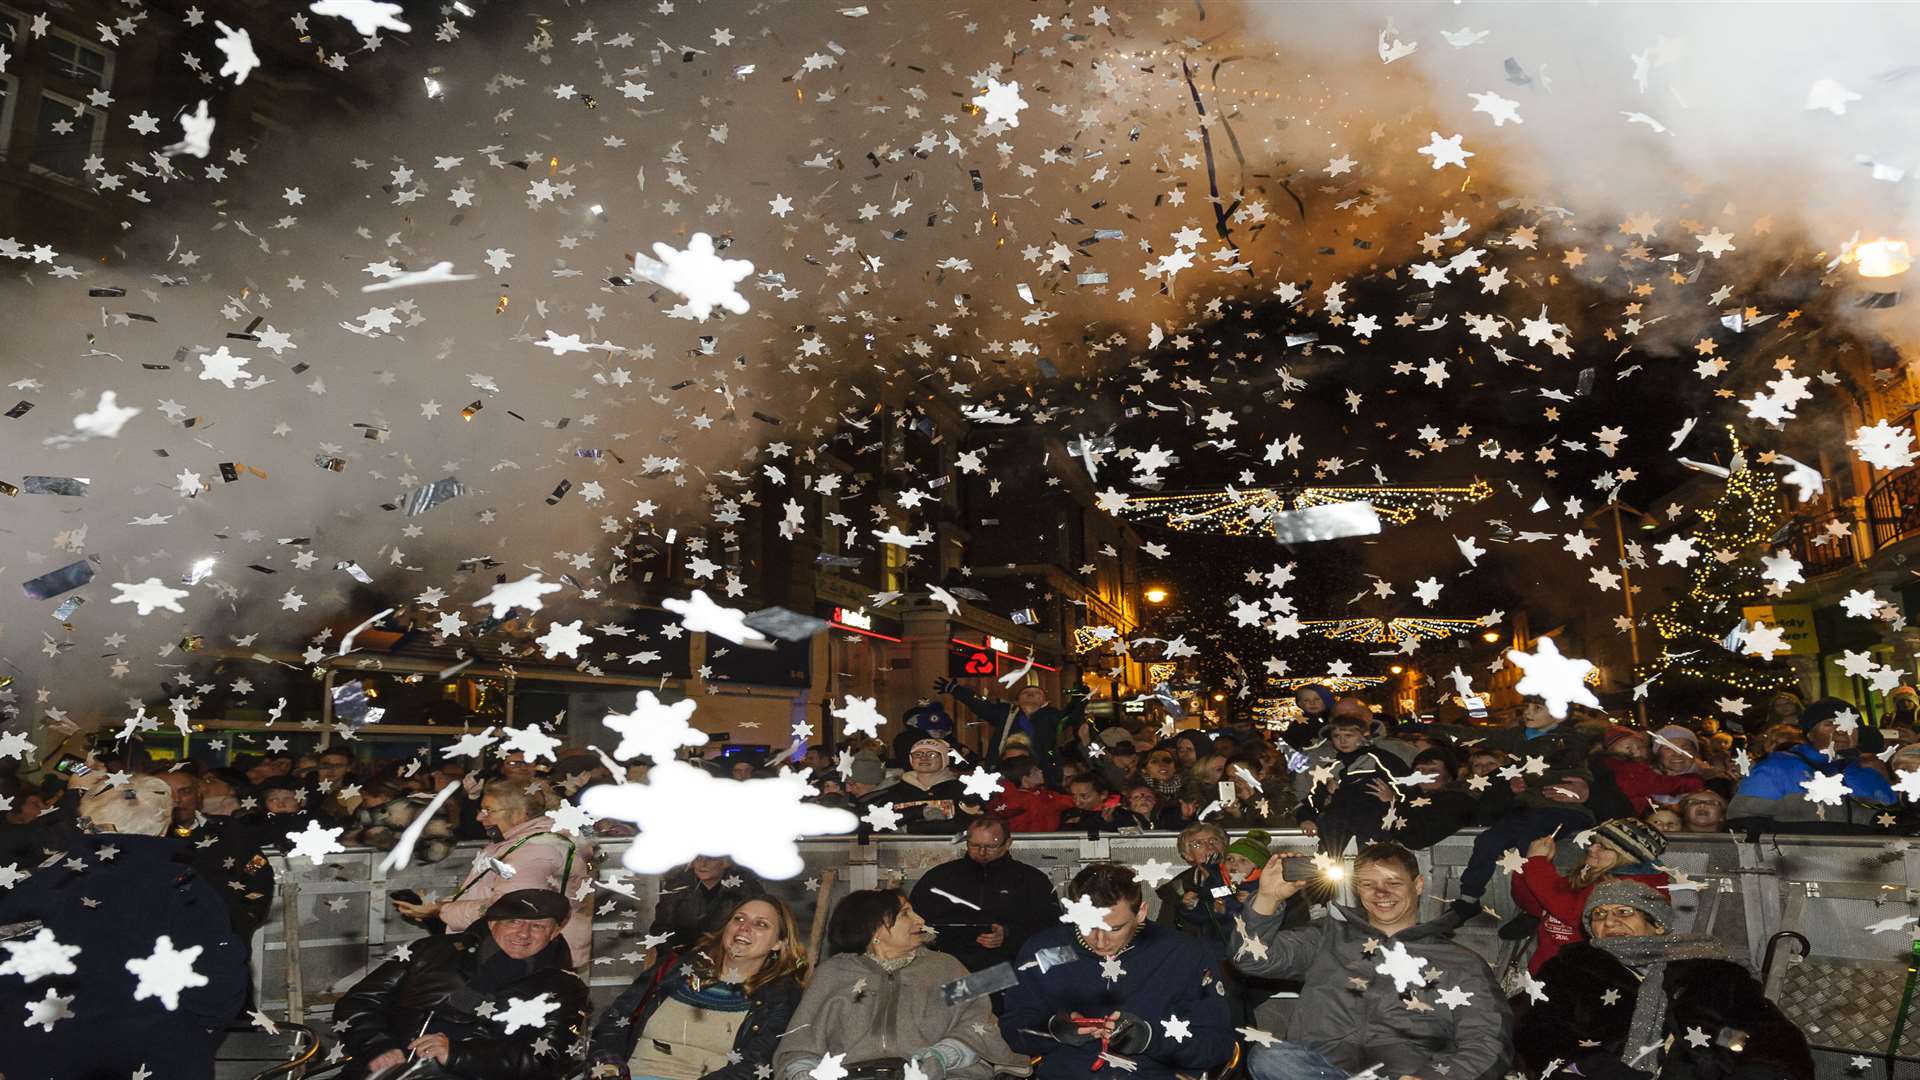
69	58
65	135
9	89
11	25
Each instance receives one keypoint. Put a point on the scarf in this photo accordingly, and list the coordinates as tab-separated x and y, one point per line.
1647	957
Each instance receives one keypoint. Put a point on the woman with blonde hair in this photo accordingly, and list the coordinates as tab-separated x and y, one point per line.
716	1010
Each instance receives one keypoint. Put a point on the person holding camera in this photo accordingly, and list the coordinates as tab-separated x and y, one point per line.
1381	992
876	1005
1147	1001
1029	714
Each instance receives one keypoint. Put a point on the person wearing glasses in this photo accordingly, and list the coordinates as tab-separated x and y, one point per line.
522	839
984	905
930	799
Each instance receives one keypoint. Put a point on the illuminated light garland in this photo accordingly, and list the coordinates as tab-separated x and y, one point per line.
1390	631
1339	684
1240	512
1089	638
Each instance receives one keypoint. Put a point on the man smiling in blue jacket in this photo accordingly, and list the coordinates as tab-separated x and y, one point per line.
1145	997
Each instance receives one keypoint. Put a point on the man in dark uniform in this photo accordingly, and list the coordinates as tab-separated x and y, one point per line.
224	851
121	895
985	904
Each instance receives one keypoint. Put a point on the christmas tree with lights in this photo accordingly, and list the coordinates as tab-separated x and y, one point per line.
1695	666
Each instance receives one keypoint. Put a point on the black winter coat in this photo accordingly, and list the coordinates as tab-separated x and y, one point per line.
1345	806
1446	812
113	896
947	801
451	978
1702	994
690	911
618	1030
1005	891
226	851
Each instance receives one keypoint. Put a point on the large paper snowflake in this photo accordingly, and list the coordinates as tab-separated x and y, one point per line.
654	729
315	844
1553	678
1002	103
531	741
237	45
701	615
754	821
860	716
367	16
525	593
148	595
1883	446
563	638
526	1012
701	277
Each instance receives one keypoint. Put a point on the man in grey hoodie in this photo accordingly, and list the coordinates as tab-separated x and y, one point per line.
1379	987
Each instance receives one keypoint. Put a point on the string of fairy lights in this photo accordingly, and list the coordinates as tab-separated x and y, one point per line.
1247	511
1390	631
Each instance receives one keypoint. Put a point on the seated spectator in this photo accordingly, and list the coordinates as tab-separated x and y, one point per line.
1432	811
1484	762
1703	812
282	812
1623	754
696	899
1362	972
1664	818
1255	804
539	857
1161	770
447	1000
1149	997
1188	901
927	720
383	813
715	1010
876	1003
1639	1000
1540	734
1341	803
1097	810
1774	795
1557	805
929	798
1621	848
122	886
1025	801
1159	814
984	905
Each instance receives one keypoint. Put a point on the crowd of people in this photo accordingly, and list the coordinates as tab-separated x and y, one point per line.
1168	979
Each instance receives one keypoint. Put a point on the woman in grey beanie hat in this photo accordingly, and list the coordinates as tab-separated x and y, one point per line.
1655	1000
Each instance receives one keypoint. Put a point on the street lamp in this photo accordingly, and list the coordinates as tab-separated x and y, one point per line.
1156	594
1490	636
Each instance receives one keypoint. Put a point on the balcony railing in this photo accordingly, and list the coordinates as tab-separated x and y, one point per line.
1893	508
1819	549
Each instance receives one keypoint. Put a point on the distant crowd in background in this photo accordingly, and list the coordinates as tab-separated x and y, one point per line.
1231	925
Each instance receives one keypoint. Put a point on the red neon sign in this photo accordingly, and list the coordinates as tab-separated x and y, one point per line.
858	623
1017	660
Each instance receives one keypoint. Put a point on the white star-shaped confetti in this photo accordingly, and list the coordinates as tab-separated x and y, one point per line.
167	972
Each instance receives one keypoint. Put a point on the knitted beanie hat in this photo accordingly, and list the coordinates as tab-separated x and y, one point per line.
1252	847
1627	892
1633	838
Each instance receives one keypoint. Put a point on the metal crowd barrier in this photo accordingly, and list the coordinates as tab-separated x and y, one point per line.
1851	991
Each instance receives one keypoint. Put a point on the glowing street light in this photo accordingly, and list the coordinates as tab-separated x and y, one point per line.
1882	258
1156	595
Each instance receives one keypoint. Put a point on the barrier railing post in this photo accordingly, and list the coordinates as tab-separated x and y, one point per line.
290	935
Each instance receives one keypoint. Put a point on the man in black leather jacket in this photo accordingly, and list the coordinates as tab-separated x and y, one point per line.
497	1002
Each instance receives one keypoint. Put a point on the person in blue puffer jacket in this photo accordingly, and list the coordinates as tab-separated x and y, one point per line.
1774	795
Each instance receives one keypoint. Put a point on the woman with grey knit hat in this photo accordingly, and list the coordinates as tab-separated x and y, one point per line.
1640	1000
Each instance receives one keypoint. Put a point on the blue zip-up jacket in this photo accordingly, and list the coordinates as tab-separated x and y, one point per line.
1773	791
1165	976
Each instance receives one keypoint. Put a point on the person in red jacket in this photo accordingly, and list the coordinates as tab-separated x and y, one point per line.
1620	848
1623	753
1025	801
